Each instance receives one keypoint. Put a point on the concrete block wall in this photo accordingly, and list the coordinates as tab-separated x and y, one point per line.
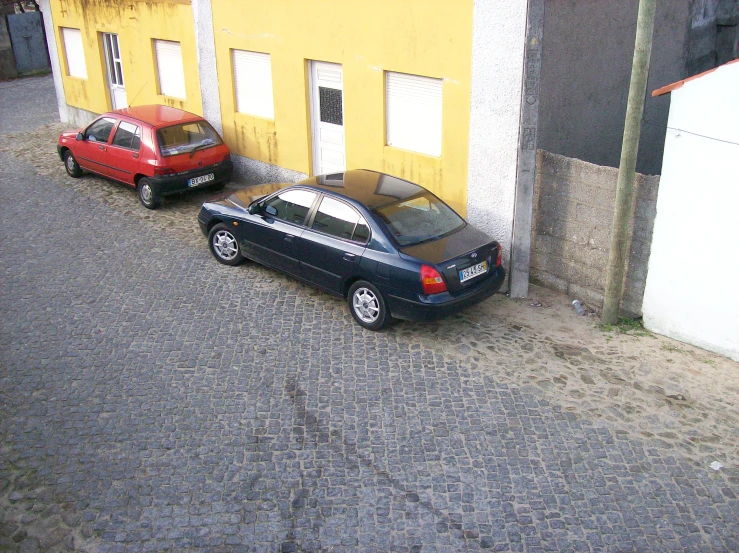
571	235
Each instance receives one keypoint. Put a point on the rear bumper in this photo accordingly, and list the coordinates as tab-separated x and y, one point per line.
165	186
431	308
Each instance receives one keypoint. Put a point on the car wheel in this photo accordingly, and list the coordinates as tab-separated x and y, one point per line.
70	164
367	306
224	246
148	196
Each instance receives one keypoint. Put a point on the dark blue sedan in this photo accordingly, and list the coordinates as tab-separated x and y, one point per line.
390	247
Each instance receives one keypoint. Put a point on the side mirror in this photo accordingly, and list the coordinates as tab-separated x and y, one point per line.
254	208
79	136
271	210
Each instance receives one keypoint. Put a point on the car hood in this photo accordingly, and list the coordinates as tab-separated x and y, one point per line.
70	135
459	243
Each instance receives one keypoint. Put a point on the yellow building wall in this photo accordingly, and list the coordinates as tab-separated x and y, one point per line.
431	38
137	23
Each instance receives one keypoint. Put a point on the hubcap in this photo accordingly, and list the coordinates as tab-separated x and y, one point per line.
366	305
146	193
225	245
70	163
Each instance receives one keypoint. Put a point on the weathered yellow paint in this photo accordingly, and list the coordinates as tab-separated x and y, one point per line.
432	38
137	24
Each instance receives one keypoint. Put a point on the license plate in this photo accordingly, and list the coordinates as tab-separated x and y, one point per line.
201	180
472	272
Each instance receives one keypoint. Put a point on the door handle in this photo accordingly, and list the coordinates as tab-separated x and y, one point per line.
349	256
289	238
101	147
136	156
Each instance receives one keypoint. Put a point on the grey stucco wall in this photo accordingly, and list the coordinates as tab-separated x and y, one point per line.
571	236
586	66
251	171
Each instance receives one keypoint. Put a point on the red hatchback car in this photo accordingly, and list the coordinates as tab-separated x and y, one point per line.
159	150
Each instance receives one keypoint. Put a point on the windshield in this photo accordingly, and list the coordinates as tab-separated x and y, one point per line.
186	138
419	218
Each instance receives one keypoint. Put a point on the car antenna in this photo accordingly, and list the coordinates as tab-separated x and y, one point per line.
130	104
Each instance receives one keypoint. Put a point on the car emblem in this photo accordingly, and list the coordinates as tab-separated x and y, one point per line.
473	255
200	163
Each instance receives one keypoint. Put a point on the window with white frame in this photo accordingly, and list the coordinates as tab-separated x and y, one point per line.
170	69
413	111
253	83
75	53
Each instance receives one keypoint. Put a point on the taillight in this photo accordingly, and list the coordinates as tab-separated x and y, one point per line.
499	260
431	281
162	171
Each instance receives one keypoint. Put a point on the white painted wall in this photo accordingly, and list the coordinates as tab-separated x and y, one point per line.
691	290
205	41
56	68
498	43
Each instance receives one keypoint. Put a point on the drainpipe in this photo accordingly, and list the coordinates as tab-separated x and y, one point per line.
627	168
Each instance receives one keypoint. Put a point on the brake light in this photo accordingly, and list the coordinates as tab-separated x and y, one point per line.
499	259
161	171
431	281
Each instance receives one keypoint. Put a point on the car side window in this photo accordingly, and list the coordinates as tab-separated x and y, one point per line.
338	219
291	206
127	135
99	131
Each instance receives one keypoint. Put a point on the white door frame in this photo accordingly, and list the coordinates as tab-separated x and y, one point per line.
114	73
328	141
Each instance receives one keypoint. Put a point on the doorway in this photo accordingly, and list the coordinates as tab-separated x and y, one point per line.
327	117
115	71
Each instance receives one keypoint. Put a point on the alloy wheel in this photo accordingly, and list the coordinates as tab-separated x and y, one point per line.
366	305
225	245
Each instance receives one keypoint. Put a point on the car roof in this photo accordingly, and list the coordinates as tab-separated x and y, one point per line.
370	188
158	115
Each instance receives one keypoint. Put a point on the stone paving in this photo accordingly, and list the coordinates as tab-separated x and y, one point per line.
155	400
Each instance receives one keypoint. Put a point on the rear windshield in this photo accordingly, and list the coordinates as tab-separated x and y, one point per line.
419	219
186	138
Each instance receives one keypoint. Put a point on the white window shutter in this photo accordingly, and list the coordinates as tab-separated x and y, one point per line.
75	53
170	68
414	113
253	83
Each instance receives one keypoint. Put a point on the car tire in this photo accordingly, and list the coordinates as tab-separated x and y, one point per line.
367	306
70	164
147	194
224	246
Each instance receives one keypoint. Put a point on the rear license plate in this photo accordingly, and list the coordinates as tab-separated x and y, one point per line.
472	272
200	180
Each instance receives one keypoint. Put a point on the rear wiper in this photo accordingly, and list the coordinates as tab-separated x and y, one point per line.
198	147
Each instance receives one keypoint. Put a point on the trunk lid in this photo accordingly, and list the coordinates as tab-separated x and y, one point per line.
453	254
201	158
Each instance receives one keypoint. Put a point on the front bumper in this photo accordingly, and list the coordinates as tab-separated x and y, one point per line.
431	308
164	186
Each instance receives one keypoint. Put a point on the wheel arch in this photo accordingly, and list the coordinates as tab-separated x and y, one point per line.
213	222
348	283
137	177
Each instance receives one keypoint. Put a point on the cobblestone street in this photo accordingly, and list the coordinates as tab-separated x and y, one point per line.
152	399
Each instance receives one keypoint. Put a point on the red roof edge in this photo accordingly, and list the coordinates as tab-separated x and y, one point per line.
678	84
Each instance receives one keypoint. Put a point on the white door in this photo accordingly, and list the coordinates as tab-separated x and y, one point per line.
115	71
327	117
